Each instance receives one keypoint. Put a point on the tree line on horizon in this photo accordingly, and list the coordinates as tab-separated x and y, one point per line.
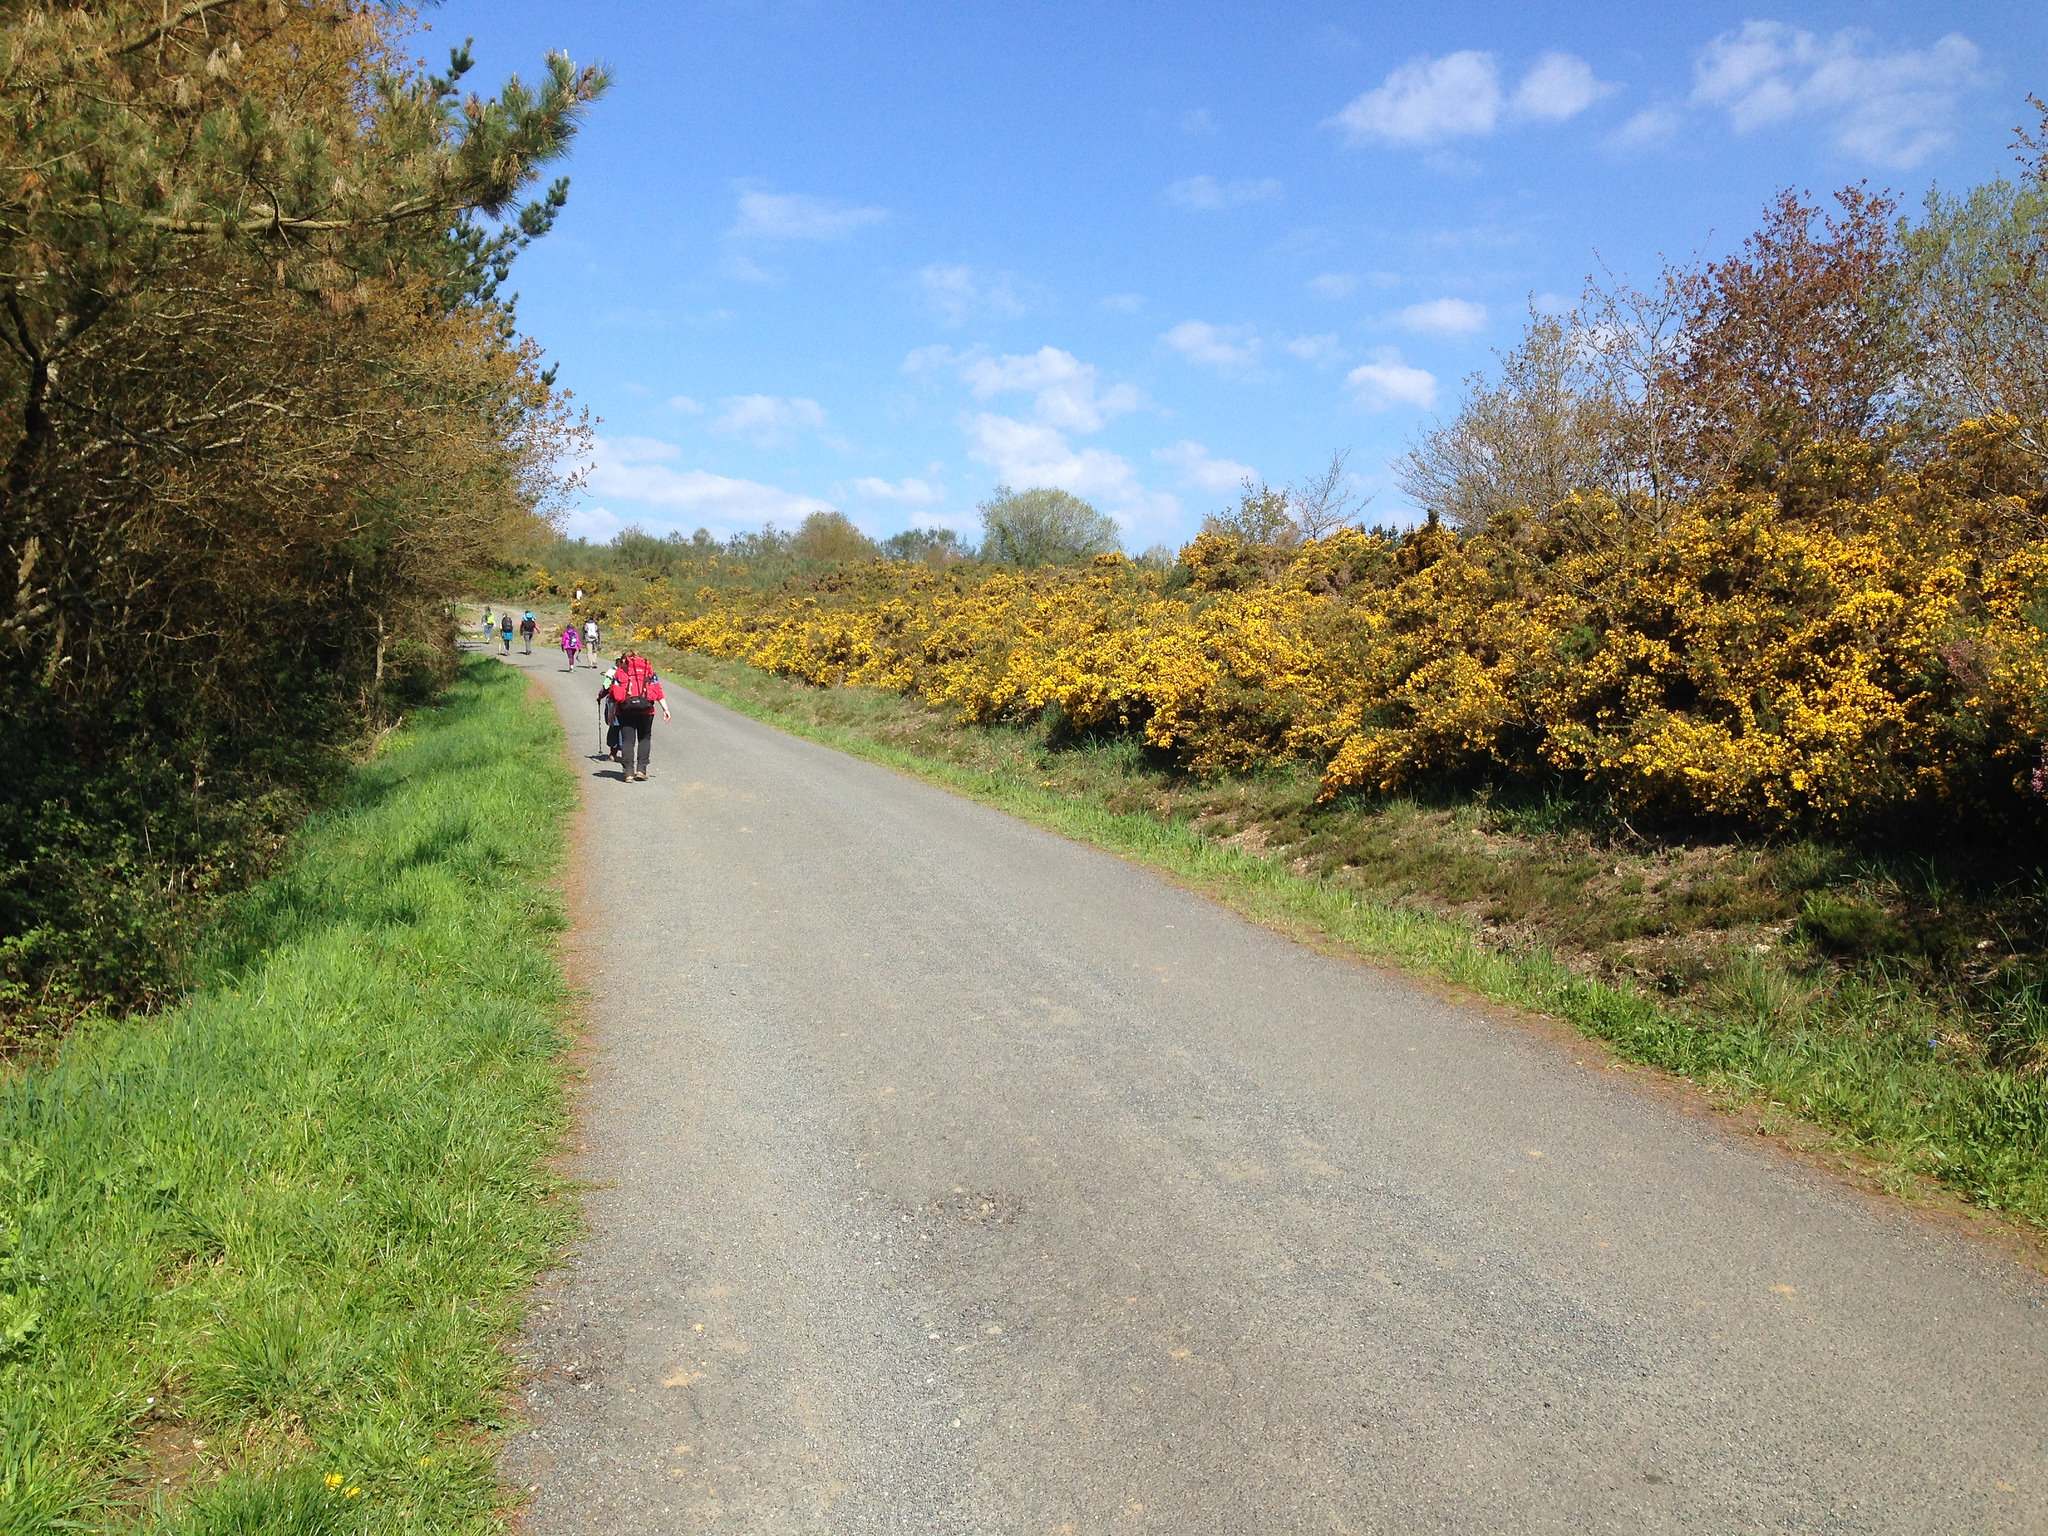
1043	527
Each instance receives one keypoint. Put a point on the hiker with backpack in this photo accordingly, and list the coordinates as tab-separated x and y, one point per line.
572	642
590	639
635	693
505	629
609	713
527	627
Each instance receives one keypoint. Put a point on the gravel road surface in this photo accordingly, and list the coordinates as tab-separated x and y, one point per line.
952	1178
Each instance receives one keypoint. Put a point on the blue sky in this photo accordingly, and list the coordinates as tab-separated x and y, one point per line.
882	257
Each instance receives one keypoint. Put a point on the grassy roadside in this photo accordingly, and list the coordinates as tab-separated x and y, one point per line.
1866	1060
258	1254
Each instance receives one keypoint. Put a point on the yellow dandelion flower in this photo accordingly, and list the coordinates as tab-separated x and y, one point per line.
333	1479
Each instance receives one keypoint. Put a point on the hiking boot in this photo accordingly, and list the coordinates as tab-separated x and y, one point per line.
641	775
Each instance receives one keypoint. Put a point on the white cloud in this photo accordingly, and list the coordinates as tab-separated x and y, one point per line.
958	294
1064	390
1065	397
1063	387
642	469
1122	303
596	524
1199	468
1450	162
1650	127
740	269
1444	317
1197	121
640	450
1429	101
1049	368
1558	86
966	524
1026	454
1387	382
1333	285
685	404
910	490
1426	101
1894	109
1316	349
1308	240
766	420
1226	347
1206	193
792	216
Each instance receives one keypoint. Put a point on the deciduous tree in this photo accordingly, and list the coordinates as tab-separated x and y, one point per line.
1044	527
830	537
1980	278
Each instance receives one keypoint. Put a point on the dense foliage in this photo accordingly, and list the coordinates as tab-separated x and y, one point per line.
1766	547
634	568
261	409
1842	663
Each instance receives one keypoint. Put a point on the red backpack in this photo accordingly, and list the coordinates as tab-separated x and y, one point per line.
633	685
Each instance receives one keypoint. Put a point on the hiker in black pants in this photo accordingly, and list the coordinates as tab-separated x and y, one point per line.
527	626
636	693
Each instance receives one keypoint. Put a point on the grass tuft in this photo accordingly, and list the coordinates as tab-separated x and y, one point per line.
259	1254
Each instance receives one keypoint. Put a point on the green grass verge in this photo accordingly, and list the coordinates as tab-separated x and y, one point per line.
1848	1060
293	1218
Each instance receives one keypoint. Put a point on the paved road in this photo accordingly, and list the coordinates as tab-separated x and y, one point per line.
952	1178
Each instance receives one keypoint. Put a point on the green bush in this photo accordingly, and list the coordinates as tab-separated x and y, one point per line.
1854	929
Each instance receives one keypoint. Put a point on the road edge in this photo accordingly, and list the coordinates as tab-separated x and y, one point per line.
1448	961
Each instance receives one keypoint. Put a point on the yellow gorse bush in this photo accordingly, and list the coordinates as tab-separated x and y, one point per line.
1862	640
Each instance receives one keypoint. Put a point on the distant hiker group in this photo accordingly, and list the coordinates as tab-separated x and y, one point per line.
630	692
503	626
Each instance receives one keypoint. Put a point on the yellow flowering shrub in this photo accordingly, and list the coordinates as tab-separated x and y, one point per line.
1859	641
1814	657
